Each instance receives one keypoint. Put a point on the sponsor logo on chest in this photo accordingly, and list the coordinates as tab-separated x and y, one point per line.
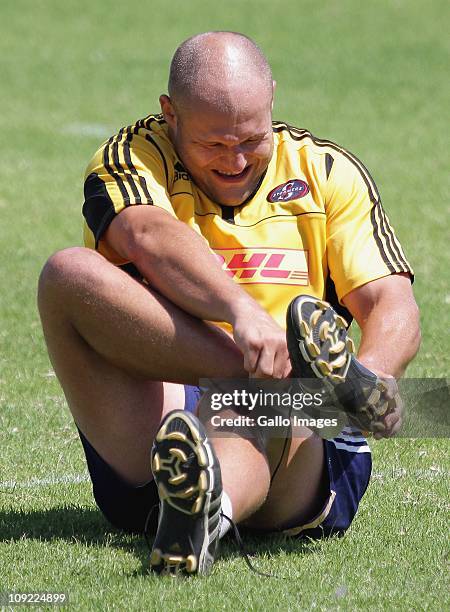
292	190
254	265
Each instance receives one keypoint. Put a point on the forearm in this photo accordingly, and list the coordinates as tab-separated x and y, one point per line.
390	338
179	264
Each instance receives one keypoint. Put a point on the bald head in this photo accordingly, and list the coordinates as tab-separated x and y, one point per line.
220	69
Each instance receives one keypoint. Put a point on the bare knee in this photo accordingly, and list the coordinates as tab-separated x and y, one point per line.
63	265
64	273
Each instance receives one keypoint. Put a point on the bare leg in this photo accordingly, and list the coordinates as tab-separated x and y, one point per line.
245	473
110	340
299	488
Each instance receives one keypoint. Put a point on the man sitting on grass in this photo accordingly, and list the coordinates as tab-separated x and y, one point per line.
202	224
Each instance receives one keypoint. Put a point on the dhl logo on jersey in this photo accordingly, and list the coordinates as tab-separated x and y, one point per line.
265	265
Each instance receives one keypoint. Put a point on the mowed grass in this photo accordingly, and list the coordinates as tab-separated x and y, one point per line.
371	78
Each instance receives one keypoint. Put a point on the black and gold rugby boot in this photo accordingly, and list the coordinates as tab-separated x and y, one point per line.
322	358
187	473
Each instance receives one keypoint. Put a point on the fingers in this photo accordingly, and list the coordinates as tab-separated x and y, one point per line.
265	365
263	344
271	363
251	358
258	359
261	369
393	419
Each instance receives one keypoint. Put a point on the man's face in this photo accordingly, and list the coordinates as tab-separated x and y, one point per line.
225	153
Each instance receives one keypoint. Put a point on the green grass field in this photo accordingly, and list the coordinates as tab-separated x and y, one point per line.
371	76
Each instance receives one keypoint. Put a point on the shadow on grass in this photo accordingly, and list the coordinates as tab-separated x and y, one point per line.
88	527
75	524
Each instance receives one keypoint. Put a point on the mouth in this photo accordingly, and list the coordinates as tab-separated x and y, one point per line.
232	177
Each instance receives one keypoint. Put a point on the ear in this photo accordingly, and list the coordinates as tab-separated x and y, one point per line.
168	111
274	85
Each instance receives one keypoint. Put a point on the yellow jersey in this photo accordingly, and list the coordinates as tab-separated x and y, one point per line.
314	225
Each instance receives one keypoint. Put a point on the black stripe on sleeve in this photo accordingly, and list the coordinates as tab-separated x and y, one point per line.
395	244
120	169
376	235
329	161
115	176
131	167
138	125
388	238
150	139
159	119
98	208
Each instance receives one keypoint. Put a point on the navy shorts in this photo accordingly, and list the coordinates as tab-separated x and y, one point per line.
348	461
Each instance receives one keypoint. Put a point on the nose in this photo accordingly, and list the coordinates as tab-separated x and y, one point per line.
234	160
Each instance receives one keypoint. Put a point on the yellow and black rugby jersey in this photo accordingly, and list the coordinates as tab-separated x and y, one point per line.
315	224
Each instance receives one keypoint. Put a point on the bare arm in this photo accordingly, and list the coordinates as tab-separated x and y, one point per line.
388	316
178	263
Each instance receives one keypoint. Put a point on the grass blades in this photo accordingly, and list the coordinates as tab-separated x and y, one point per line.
370	76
